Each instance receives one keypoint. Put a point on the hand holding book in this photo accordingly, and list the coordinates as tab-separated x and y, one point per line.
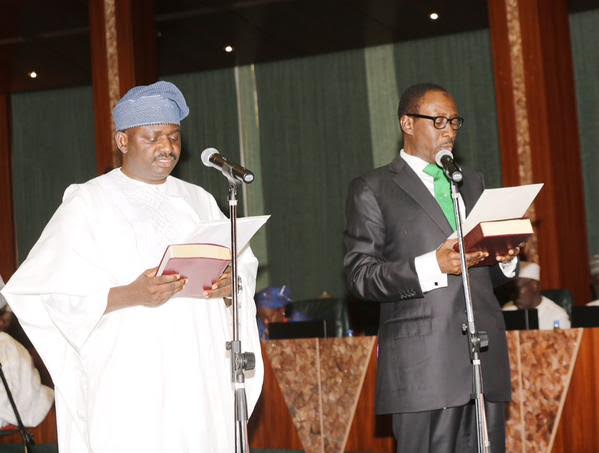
501	240
495	224
223	287
206	258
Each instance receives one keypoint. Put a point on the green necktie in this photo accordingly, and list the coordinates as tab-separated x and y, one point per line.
442	192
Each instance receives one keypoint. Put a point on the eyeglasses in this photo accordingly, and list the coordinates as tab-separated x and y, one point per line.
441	121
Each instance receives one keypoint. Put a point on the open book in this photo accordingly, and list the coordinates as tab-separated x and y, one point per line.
495	223
206	254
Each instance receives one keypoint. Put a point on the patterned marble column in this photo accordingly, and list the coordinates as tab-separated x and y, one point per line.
538	125
542	367
123	55
321	381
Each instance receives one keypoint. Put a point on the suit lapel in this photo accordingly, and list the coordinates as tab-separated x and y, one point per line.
410	183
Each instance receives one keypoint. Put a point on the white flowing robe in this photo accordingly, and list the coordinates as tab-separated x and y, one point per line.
33	400
138	379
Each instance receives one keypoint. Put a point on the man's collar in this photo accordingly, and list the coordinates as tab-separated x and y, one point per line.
416	163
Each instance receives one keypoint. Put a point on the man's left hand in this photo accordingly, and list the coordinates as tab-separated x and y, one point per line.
223	287
511	254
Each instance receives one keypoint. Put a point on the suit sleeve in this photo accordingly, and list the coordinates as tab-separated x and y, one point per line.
369	274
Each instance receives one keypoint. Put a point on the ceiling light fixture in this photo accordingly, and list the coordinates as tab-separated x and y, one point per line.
32	75
228	48
433	16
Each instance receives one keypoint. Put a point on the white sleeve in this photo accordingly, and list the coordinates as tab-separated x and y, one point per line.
429	273
509	269
33	400
63	274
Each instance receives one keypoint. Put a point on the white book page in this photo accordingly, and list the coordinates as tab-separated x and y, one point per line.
219	231
500	204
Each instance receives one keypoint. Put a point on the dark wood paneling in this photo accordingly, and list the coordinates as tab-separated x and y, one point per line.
137	65
554	137
578	428
555	145
138	59
368	431
8	258
105	148
506	113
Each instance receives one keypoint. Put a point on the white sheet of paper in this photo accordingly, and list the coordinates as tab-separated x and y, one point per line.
219	232
500	204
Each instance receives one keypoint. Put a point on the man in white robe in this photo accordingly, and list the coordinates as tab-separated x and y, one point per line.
33	400
528	286
135	370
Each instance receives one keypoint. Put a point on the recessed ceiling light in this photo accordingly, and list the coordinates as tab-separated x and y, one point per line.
32	74
228	48
433	16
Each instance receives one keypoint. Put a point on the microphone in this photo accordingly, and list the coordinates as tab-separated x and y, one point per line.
212	158
444	159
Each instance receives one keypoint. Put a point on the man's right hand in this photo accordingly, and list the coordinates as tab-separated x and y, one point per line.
449	260
147	289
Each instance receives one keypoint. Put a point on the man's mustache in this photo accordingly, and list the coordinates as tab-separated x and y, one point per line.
166	156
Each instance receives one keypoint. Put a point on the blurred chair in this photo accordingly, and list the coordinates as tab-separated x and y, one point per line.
562	297
330	309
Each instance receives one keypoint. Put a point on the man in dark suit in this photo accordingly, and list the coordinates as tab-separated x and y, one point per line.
397	254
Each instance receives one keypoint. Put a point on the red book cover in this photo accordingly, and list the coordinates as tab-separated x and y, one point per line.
497	238
201	264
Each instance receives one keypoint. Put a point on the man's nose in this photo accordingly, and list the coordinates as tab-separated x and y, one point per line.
449	132
165	144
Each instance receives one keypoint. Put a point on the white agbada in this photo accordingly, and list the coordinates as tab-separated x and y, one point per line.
138	379
33	400
550	314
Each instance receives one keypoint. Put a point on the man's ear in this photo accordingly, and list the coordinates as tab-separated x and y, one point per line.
121	140
407	124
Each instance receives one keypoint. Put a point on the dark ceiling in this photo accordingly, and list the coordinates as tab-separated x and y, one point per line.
52	37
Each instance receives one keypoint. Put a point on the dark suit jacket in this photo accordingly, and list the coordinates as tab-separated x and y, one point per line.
424	363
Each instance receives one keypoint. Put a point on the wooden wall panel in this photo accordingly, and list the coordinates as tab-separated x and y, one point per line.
370	432
124	54
579	425
538	128
8	258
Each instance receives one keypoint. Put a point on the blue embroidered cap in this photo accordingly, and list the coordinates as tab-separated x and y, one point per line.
274	297
144	105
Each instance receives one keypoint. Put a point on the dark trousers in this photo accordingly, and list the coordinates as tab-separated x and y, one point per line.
449	430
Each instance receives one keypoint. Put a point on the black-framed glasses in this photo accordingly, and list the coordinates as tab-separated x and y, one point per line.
441	121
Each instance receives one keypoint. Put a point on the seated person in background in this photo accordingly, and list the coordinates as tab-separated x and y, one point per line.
270	307
594	265
33	400
529	296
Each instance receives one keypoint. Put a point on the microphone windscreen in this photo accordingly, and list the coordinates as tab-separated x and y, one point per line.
442	153
207	154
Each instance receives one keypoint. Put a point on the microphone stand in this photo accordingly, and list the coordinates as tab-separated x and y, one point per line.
477	340
240	361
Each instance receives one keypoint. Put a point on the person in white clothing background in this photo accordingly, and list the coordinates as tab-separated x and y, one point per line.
528	287
594	266
33	400
135	369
